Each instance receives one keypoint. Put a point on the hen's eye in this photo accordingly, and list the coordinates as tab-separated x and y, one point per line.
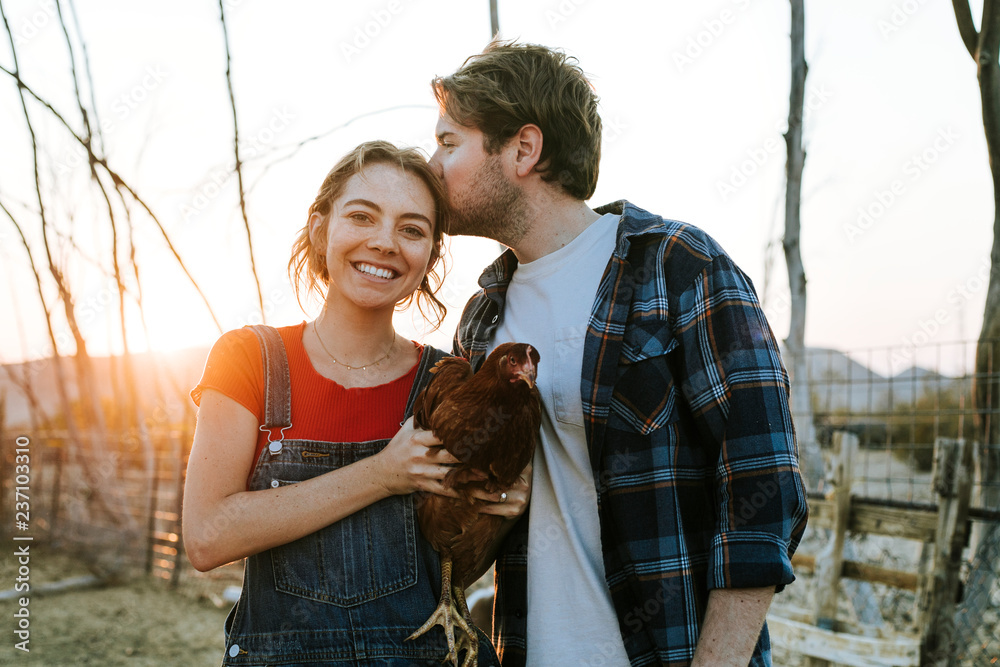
511	360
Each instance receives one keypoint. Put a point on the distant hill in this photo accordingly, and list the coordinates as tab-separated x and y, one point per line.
838	382
163	376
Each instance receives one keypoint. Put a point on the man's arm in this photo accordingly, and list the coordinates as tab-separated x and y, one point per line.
733	620
738	391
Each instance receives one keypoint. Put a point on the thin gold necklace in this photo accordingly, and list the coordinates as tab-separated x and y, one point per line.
354	368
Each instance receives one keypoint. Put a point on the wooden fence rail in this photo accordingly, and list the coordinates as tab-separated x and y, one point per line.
822	633
149	489
63	511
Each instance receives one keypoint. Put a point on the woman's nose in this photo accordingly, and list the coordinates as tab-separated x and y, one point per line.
383	239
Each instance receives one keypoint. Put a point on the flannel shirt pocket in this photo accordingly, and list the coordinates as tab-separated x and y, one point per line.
644	396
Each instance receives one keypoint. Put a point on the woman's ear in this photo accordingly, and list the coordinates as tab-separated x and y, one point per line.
432	261
315	223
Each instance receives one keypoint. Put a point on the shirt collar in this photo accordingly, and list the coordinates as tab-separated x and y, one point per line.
633	222
498	274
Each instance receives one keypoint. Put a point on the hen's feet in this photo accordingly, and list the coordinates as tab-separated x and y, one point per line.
470	639
448	616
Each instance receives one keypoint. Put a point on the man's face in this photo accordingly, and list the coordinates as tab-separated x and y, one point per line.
484	200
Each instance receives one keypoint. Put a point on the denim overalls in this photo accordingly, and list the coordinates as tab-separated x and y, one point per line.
350	593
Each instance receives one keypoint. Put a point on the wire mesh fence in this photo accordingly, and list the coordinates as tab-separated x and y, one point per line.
118	511
899	402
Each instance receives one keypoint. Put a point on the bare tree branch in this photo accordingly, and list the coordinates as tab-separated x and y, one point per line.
236	150
125	399
72	69
88	396
988	31
90	79
118	181
23	379
298	146
966	27
61	382
796	156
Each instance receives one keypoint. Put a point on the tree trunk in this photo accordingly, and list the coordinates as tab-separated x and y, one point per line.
494	19
795	342
987	391
984	47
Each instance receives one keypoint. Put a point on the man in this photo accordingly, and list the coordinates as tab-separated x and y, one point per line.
666	498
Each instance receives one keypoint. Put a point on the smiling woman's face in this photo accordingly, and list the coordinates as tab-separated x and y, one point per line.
379	237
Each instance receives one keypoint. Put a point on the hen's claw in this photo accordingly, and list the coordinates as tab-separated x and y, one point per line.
469	640
448	616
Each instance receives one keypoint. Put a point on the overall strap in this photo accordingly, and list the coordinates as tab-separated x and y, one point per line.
431	356
277	382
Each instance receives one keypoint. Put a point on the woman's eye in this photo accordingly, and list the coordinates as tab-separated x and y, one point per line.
359	216
415	232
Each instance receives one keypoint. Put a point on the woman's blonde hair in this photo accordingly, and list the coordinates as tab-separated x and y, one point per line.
307	266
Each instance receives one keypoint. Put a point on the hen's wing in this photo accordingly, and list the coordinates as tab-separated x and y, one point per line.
449	373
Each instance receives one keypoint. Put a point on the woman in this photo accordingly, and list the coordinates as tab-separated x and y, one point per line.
306	471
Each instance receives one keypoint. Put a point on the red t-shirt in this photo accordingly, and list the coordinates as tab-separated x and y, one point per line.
321	408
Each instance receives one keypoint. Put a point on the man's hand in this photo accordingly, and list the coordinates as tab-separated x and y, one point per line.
733	620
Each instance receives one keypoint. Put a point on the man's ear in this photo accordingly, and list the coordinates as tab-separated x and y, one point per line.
528	144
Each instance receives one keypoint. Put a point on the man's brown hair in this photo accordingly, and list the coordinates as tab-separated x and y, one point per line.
510	85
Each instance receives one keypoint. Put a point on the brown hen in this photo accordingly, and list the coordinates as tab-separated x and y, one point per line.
489	421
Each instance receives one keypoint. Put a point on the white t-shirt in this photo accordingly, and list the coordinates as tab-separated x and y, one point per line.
571	620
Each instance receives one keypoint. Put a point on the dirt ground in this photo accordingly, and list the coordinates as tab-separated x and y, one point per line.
143	622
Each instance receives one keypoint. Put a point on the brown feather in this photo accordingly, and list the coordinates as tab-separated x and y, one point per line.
489	421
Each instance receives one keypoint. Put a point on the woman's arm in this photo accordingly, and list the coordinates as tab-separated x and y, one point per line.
223	522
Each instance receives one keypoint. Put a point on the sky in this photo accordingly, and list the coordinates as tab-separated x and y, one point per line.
897	202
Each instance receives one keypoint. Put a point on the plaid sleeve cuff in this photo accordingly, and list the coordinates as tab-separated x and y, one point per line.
749	559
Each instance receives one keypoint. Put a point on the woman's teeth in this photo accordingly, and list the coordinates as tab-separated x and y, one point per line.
375	271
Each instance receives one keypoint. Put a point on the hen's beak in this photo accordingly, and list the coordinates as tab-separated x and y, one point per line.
527	372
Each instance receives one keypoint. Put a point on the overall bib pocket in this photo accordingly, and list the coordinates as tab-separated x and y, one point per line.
370	554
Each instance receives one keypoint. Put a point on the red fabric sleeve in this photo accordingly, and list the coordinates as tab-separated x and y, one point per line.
235	368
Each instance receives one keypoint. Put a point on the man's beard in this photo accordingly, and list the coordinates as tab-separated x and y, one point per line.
494	207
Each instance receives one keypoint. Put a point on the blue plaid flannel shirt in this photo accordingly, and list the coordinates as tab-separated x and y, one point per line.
685	401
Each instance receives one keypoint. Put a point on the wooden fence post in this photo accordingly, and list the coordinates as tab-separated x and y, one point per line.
55	488
183	450
953	486
152	506
830	561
